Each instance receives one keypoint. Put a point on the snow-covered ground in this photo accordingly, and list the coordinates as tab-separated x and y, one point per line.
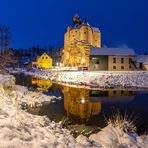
101	79
20	129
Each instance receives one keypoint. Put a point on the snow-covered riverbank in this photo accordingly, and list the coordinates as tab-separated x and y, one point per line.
102	79
21	129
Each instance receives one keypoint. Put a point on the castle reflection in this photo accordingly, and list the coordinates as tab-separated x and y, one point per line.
77	103
81	104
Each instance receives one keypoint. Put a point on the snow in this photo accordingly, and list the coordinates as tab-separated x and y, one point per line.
115	137
112	51
95	29
21	129
101	79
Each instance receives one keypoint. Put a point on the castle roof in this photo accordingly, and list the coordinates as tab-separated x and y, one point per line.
112	51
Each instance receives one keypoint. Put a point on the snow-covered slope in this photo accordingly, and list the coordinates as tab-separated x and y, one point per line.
104	79
20	129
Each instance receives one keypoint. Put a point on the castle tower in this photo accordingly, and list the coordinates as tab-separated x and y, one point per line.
76	20
77	42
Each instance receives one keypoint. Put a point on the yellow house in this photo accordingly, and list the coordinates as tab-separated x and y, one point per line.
44	61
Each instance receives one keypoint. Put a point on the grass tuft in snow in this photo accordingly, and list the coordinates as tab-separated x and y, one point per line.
126	122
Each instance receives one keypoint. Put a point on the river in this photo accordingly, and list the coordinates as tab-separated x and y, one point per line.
84	110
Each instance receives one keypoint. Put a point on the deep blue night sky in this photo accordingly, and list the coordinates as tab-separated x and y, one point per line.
43	22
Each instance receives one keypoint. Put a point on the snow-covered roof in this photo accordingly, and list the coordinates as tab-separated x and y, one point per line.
112	51
95	29
142	59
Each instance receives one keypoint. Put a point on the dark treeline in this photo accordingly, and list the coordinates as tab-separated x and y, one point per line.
26	56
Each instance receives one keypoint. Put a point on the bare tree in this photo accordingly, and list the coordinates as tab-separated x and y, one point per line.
7	58
4	38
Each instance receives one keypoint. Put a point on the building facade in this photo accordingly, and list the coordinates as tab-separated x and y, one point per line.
43	62
112	59
77	42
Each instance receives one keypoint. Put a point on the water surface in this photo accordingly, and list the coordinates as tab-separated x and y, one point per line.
84	110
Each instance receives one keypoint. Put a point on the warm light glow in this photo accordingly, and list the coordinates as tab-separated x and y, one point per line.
83	60
57	64
83	100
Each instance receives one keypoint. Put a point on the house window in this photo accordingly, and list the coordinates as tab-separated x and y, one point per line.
130	60
97	61
84	32
46	57
122	67
114	67
42	57
114	60
122	60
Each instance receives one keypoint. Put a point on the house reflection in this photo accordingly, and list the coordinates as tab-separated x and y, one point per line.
113	96
41	83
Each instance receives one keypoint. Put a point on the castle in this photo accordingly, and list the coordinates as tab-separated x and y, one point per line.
77	42
82	48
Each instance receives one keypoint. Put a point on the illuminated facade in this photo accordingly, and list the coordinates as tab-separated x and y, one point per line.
77	42
44	61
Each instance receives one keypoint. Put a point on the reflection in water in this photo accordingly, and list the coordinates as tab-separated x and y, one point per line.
113	96
88	106
81	103
77	103
41	83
